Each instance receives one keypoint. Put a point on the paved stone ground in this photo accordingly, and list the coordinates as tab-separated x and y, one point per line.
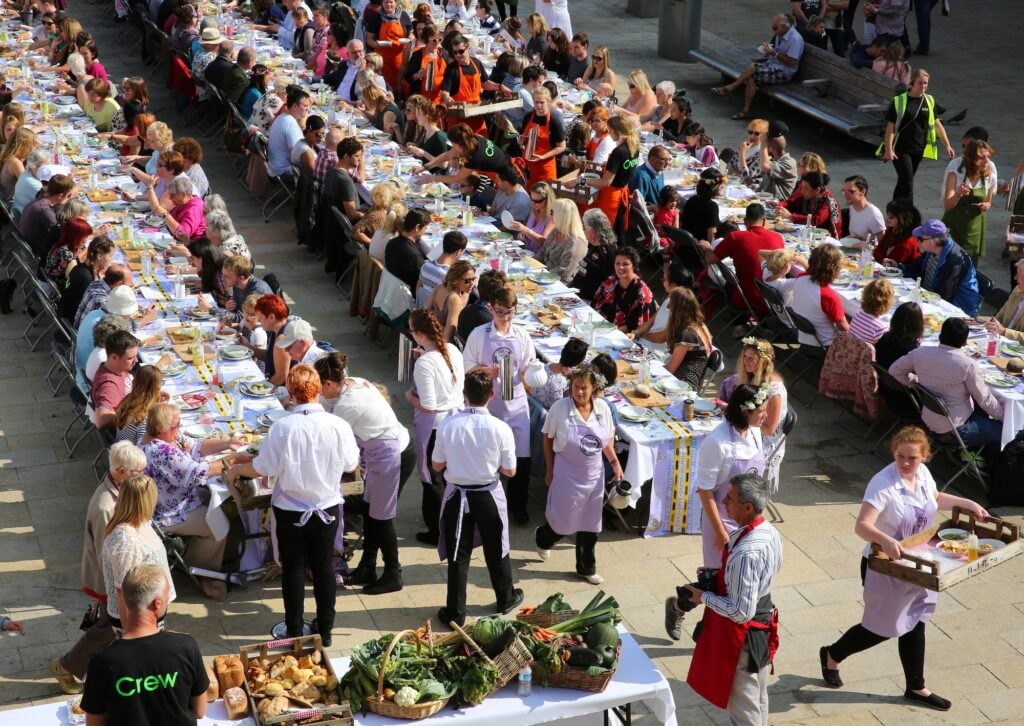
976	644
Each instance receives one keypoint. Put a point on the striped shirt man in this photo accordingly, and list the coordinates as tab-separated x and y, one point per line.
753	563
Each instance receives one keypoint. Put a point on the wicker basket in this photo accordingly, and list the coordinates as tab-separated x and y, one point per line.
508	663
383	707
577	678
546	620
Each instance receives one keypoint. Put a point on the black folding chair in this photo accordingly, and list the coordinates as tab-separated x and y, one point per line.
814	355
787	425
711	366
952	444
776	326
994	296
900	403
742	312
350	248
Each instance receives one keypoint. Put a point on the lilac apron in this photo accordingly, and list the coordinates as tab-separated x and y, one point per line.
496	491
576	494
755	464
516	413
382	466
893	607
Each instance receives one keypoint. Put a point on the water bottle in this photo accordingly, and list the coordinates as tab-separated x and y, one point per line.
237	407
993	342
216	369
867	264
525	681
179	286
644	377
147	261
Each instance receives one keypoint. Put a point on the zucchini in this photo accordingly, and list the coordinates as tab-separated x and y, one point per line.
601	635
583	657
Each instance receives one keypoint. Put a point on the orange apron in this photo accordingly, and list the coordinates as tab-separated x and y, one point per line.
391	30
470	87
713	666
539	171
433	92
613	201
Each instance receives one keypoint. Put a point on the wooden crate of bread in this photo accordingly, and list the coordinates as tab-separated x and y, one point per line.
469	110
279	673
927	572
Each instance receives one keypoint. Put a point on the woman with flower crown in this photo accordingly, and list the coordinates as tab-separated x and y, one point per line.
733	447
577	431
756	365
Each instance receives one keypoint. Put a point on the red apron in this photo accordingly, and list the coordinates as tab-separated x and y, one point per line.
593	144
713	666
391	30
613	201
470	87
539	171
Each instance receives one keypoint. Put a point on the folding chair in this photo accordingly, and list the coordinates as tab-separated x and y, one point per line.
711	367
900	402
278	186
61	349
176	546
345	225
742	312
686	250
813	354
80	416
787	425
778	325
951	444
990	294
41	294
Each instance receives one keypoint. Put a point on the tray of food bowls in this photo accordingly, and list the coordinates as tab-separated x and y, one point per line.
951	551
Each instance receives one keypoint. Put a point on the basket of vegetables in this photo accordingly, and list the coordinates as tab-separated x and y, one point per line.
581	652
496	640
553	610
409	684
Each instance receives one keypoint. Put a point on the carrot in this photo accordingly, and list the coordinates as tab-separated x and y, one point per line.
527	610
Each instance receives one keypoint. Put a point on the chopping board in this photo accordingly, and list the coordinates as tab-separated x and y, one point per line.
547	317
1000	363
627	371
185	353
655	400
178	338
525	287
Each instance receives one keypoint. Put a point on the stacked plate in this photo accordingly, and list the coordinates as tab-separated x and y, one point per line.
635	414
235	352
174	368
270	417
200	431
673	387
258	389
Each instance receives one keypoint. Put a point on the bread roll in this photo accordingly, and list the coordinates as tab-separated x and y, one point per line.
643	391
236	703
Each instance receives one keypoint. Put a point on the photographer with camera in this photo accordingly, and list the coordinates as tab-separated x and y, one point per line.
738	635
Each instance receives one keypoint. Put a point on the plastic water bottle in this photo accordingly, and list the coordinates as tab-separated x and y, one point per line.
179	286
525	681
237	407
147	266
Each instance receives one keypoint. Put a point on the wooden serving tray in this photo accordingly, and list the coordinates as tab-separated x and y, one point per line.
549	318
185	352
627	371
465	110
925	573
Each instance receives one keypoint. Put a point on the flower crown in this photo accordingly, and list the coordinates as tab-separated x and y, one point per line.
761	345
759	398
587	370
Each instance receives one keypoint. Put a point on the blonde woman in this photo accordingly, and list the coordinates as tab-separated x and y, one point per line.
382	197
390	228
642	101
599	71
537	27
381	111
541	222
159	138
13	157
613	196
566	245
448	299
131	540
756	366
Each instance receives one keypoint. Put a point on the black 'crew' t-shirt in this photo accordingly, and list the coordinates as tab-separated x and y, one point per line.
148	681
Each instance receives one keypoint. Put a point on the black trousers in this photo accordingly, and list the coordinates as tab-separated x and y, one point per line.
433	491
481	513
586	543
911	646
906	166
519	486
513	9
310	546
99	635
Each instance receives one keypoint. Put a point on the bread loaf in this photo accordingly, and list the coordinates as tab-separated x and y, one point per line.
236	703
642	391
213	690
230	671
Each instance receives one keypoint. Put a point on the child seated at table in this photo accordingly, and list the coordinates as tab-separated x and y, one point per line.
875	301
666	214
250	329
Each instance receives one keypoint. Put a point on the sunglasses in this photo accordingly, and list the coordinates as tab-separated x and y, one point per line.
459	51
537	201
598	58
469	280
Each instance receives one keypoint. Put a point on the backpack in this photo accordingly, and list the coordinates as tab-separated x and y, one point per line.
1004	487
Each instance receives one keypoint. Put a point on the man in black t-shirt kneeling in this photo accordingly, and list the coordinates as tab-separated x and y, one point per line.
150	677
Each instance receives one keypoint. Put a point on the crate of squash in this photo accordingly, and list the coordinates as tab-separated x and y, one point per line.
292	682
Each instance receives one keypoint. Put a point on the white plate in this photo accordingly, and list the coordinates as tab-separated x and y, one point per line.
270	417
159	242
1011	349
635	414
154	345
670	386
544	278
174	368
248	390
633	355
153	221
618	343
200	431
1001	380
891	272
507	219
140	205
65	100
108	154
996	544
954	533
703	406
235	352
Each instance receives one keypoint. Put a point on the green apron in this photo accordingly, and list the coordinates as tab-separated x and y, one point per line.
967	223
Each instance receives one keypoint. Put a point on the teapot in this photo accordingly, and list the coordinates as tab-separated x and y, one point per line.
536	374
619	494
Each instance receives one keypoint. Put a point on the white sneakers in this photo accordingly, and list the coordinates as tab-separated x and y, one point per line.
544	555
594	579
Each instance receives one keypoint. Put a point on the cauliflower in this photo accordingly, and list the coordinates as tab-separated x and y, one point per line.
406	696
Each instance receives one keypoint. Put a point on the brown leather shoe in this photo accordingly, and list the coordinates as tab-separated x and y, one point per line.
65	678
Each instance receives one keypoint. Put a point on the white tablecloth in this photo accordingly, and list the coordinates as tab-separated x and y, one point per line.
635	680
